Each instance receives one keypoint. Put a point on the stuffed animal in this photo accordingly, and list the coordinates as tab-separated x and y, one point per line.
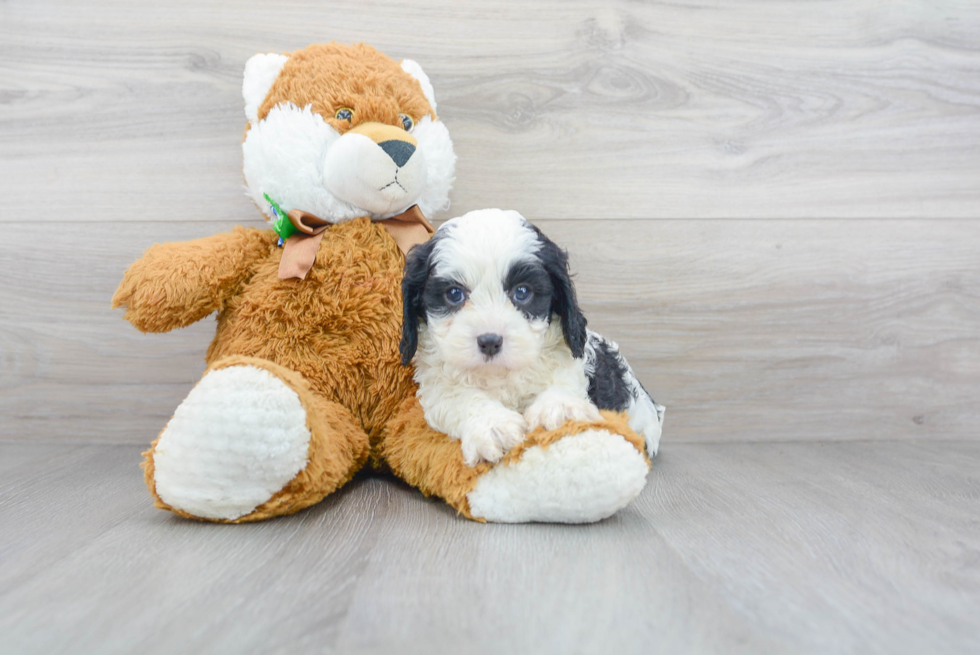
345	156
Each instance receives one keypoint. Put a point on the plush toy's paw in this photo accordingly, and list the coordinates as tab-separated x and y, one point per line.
581	478
487	437
237	439
140	296
554	407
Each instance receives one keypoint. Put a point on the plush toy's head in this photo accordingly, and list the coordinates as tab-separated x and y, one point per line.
342	132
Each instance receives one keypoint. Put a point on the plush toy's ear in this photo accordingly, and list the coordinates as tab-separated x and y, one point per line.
412	68
413	289
563	301
261	72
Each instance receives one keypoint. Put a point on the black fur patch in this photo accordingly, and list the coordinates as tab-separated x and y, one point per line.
563	300
532	275
608	388
417	269
434	301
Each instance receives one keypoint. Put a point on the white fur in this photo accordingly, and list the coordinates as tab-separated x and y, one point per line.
560	403
435	144
647	419
361	174
489	407
283	157
534	380
301	162
482	244
261	72
412	67
238	438
581	478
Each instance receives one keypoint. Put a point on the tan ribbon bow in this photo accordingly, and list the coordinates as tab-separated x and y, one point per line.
299	251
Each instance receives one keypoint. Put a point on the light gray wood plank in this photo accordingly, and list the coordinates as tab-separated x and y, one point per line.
61	345
91	554
23	459
819	543
573	109
781	548
747	331
616	587
761	330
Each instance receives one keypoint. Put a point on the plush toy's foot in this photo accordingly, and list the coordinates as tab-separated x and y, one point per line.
581	478
252	441
578	473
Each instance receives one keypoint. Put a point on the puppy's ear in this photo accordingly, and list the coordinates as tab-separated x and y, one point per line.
413	289
563	301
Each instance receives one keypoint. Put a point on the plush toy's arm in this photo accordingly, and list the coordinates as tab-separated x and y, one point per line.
176	284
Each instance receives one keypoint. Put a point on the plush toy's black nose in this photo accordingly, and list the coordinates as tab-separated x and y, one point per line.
399	151
490	343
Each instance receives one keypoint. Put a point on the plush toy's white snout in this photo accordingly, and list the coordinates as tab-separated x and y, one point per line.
377	167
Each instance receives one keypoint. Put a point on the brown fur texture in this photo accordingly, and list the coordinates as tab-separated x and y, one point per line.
332	337
339	328
175	284
330	76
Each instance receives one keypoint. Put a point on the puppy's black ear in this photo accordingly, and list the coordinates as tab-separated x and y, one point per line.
563	301
413	289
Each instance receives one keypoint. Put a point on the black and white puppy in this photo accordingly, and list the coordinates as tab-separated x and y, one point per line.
481	299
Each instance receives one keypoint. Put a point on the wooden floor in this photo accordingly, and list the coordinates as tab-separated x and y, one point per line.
756	548
772	205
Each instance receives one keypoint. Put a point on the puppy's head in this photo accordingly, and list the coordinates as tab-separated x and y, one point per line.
487	287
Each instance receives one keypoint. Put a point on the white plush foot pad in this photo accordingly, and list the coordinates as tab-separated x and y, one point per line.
236	440
579	479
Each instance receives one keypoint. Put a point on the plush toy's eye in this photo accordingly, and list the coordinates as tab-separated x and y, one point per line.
343	114
522	294
455	295
407	122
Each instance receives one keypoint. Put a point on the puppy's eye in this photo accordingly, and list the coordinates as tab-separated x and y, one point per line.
522	294
455	295
343	114
407	122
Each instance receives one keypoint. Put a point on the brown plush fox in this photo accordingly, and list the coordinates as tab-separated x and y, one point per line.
345	155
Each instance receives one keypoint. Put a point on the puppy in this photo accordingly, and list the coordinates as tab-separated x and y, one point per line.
499	343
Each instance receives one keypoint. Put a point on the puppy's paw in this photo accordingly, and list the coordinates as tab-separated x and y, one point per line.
554	407
488	437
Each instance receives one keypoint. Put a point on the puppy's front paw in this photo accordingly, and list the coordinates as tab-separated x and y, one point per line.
488	437
552	408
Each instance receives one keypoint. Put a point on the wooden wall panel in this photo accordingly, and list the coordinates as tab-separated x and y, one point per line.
746	330
755	109
626	129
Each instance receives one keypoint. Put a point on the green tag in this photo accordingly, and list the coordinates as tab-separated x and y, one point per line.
281	225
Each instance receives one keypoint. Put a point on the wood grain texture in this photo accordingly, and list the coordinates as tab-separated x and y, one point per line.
856	108
747	331
707	559
846	351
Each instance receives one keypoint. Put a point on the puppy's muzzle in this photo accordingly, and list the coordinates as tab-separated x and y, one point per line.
490	343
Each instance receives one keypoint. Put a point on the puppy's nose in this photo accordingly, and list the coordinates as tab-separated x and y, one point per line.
489	343
399	151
